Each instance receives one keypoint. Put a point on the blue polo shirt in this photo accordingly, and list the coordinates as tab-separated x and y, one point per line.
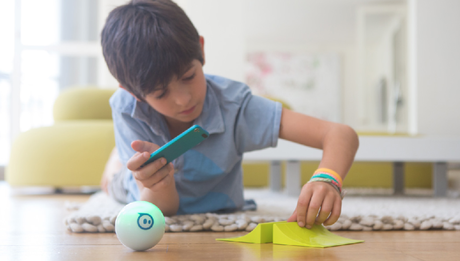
209	176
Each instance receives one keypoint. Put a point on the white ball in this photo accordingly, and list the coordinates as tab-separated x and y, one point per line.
140	225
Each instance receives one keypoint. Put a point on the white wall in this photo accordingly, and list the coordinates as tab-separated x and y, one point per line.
221	25
438	66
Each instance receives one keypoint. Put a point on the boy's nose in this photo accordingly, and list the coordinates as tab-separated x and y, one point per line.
183	97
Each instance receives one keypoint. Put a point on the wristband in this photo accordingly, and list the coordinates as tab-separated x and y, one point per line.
331	173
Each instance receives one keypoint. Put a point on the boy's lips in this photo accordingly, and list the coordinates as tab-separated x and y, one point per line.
188	111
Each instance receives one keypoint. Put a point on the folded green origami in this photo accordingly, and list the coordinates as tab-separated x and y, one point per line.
289	233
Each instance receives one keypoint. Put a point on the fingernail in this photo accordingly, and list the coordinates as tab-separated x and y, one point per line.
301	224
163	161
308	226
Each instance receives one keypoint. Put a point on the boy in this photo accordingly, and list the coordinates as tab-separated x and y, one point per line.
156	54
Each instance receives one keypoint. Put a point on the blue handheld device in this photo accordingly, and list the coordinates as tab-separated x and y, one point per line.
179	145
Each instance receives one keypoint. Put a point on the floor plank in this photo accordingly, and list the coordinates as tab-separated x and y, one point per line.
32	228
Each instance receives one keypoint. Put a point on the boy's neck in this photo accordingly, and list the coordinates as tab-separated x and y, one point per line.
177	127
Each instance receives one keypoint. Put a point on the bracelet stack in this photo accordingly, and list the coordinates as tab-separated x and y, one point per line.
328	176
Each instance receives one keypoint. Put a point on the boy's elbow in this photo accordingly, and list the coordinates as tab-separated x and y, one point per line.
352	136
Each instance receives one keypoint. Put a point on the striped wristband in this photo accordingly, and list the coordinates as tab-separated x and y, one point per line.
328	176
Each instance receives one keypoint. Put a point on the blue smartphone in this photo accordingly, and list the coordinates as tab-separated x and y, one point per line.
179	145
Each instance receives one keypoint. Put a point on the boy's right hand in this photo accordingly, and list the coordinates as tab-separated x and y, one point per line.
155	175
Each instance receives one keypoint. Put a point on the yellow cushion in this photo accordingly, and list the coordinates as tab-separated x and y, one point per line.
79	103
69	153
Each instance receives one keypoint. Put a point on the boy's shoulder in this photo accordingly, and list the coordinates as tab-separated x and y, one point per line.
228	90
122	101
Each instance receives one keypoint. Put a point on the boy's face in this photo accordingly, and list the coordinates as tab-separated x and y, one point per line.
183	100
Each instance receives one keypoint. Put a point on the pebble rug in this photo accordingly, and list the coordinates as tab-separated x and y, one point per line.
359	213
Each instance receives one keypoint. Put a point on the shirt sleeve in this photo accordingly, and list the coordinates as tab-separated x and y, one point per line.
257	123
127	130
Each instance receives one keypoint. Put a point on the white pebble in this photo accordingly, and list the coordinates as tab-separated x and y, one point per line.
387	227
113	219
426	225
208	223
251	226
217	227
409	226
346	224
198	219
167	228
88	227
367	228
415	222
100	228
356	219
187	225
95	220
437	223
196	228
80	220
378	225
398	224
403	218
367	221
356	227
76	228
257	219
232	227
175	228
387	220
455	220
108	226
448	226
226	222
241	223
170	221
210	215
457	227
336	226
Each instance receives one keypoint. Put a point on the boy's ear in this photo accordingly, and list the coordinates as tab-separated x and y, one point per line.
121	86
202	47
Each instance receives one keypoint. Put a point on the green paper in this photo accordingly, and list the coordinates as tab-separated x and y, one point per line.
289	233
263	233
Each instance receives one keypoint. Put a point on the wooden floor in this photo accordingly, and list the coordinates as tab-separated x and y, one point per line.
32	228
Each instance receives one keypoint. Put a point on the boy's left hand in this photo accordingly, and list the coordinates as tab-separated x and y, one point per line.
314	197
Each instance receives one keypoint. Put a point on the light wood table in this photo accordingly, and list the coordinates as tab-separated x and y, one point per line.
398	150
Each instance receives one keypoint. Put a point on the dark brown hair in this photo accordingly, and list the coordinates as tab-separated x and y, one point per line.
147	42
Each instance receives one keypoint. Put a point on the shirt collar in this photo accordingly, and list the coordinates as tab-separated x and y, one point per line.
210	118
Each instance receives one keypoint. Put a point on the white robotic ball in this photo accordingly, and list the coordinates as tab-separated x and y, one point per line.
140	225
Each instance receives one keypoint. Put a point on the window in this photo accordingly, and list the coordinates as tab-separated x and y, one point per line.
46	46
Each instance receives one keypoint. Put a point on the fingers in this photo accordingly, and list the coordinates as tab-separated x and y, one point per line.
335	214
302	204
158	177
137	160
293	217
315	203
325	211
318	203
141	146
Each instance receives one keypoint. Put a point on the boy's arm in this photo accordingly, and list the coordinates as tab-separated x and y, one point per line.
156	180
339	144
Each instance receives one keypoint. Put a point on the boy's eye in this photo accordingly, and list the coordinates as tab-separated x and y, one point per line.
163	93
189	78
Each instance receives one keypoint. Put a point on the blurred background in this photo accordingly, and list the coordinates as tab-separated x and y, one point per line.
380	66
